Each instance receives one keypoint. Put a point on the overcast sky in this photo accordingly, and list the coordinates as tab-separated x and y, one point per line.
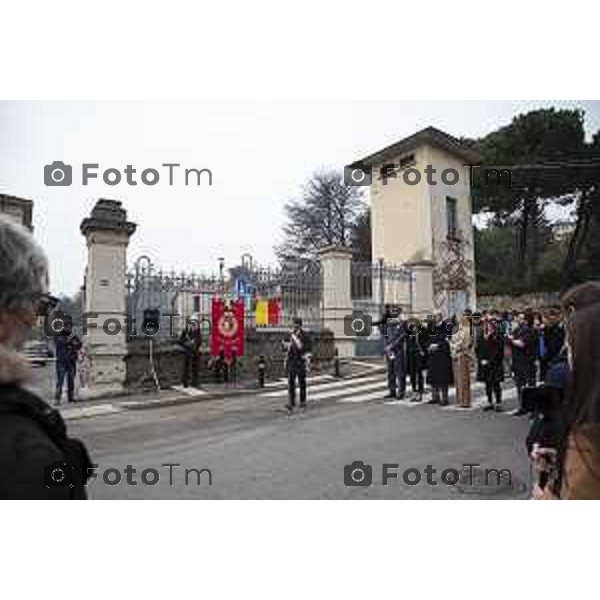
259	153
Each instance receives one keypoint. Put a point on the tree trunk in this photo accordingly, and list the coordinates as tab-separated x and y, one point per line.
578	238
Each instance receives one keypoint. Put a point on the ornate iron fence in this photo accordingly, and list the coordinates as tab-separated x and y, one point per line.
272	296
373	286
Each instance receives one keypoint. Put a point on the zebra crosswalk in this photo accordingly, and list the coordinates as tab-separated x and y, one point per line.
373	388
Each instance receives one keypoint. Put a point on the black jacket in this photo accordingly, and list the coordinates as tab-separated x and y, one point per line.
523	359
554	341
439	361
33	443
416	349
490	357
67	347
296	356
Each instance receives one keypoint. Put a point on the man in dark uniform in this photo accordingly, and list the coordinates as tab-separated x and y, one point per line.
395	353
298	349
67	346
190	341
416	358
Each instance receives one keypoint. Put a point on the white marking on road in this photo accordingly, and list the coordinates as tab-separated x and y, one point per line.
363	398
189	391
88	411
326	386
366	364
309	380
371	387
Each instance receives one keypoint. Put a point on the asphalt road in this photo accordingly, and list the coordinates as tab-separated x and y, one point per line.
254	450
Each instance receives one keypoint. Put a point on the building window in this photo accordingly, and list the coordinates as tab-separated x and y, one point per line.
196	304
451	217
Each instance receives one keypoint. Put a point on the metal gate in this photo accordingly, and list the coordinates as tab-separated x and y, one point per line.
291	291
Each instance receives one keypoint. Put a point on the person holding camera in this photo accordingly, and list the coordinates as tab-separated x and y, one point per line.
37	458
572	467
66	350
489	350
298	349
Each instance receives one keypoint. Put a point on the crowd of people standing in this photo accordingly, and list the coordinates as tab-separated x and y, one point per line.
518	344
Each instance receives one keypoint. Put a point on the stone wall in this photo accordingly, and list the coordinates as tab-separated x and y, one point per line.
538	300
169	359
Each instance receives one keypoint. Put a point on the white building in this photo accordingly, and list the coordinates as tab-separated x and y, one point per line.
421	213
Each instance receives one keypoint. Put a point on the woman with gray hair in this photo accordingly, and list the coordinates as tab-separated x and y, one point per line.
37	458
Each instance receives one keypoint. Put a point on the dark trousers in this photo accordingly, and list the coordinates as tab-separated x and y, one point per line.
415	373
438	391
298	373
66	369
493	389
190	369
396	372
522	382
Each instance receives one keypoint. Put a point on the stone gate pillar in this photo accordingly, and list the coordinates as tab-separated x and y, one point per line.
337	300
107	233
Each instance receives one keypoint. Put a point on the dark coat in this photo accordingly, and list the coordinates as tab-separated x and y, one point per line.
554	341
490	357
523	359
190	341
439	361
416	350
67	347
33	437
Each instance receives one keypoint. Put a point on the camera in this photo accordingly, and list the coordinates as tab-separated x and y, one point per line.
357	174
58	173
358	324
54	323
58	474
358	474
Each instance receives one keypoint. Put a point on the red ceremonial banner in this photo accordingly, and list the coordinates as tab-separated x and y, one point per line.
227	334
